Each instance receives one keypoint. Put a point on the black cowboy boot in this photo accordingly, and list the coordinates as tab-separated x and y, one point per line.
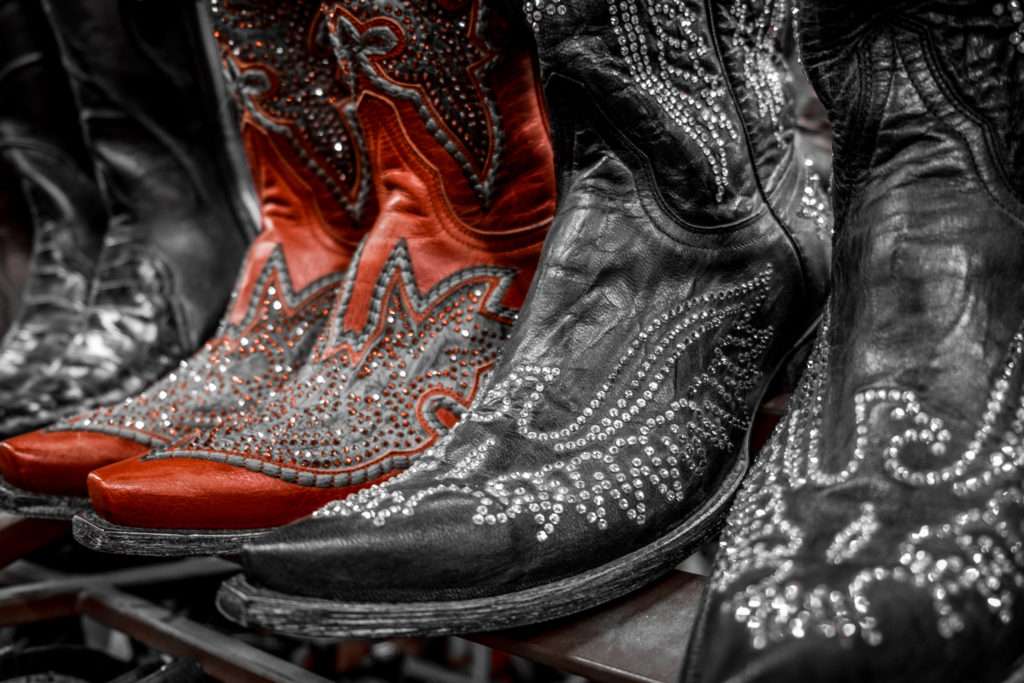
688	256
143	78
881	535
47	164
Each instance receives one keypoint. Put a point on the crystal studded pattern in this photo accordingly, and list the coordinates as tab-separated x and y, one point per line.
435	56
241	364
639	439
758	26
814	203
280	64
370	399
965	555
670	64
1015	11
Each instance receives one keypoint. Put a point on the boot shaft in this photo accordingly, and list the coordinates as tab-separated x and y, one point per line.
458	81
698	89
896	76
302	140
46	165
37	105
927	193
297	112
141	75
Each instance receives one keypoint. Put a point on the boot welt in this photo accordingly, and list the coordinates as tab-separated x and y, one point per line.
40	505
96	533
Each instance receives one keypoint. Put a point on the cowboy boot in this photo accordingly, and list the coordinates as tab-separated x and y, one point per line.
880	535
461	162
47	165
302	144
177	231
688	257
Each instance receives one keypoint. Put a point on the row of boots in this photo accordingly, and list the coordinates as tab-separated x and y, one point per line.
110	140
486	408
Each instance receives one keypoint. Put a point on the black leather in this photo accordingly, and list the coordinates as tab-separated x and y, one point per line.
15	245
141	77
880	535
47	165
657	285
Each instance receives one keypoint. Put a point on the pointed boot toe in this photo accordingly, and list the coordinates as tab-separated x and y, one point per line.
58	463
358	561
187	494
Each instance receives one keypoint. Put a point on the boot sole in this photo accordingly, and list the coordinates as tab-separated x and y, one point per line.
250	605
253	606
96	533
40	505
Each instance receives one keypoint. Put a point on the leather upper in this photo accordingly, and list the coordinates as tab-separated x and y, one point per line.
879	537
175	235
622	399
314	210
47	165
465	201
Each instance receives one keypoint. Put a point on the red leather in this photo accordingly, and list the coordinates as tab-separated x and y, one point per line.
58	463
426	201
413	198
193	494
296	212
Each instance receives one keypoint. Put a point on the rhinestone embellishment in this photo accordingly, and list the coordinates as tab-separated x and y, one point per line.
640	437
369	400
239	365
1015	10
975	554
439	60
814	203
280	64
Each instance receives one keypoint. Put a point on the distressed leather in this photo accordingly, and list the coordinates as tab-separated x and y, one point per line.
48	169
879	536
175	235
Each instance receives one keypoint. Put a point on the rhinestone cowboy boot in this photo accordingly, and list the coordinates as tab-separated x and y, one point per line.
46	163
462	165
302	143
880	537
177	231
687	258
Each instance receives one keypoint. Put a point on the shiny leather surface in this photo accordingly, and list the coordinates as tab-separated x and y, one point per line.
879	537
48	167
314	209
174	240
465	202
670	288
59	463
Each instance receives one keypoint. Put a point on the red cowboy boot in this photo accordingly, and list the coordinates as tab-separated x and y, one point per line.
301	140
449	103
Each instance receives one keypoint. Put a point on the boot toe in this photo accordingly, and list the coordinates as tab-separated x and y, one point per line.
194	493
424	557
58	463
